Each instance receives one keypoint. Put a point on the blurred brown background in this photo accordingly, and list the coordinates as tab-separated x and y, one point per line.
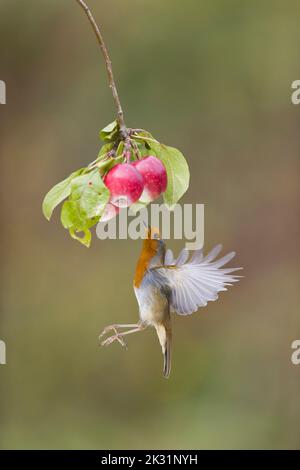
212	78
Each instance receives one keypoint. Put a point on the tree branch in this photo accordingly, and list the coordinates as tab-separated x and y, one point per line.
111	81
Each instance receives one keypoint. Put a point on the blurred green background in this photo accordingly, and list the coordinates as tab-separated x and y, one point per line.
212	78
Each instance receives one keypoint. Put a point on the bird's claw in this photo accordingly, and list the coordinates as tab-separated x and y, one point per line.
107	329
113	338
116	337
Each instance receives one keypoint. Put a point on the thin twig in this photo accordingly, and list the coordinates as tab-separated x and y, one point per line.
135	149
127	152
108	64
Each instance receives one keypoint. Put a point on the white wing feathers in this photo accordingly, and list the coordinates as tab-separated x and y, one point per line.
169	258
191	284
182	257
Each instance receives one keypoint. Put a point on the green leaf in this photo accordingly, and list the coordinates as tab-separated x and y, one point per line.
177	172
57	194
144	133
110	132
120	148
71	216
102	156
92	178
106	165
92	203
85	240
76	222
105	149
145	137
144	148
91	193
78	184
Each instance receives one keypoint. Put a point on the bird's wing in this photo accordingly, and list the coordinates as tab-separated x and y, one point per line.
169	257
191	284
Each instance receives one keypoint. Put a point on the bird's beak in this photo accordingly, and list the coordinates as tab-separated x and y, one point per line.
152	232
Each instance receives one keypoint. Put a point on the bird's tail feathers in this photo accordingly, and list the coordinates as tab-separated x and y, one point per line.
167	358
165	338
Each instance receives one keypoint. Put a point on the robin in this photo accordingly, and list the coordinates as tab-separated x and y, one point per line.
163	285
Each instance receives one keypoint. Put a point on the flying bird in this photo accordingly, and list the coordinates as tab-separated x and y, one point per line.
164	285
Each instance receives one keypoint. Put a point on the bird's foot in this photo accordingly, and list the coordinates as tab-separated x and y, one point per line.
107	329
116	337
133	328
113	338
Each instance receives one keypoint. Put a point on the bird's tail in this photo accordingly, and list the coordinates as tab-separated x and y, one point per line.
167	358
165	338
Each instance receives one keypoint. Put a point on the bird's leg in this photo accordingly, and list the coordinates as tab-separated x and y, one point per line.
115	326
135	327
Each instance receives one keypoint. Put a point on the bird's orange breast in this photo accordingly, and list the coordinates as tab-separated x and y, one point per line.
148	251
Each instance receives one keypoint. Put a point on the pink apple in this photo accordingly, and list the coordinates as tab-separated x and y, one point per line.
125	183
109	212
155	177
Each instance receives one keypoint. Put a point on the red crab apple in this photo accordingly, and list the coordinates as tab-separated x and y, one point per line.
155	177
125	183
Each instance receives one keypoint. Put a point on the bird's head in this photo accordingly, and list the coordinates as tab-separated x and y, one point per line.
152	255
154	246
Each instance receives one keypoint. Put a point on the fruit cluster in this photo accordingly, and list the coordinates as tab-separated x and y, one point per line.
130	170
142	180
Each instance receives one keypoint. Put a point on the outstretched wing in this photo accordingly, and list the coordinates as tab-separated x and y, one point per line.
191	284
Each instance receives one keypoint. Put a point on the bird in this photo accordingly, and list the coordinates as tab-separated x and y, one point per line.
164	285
